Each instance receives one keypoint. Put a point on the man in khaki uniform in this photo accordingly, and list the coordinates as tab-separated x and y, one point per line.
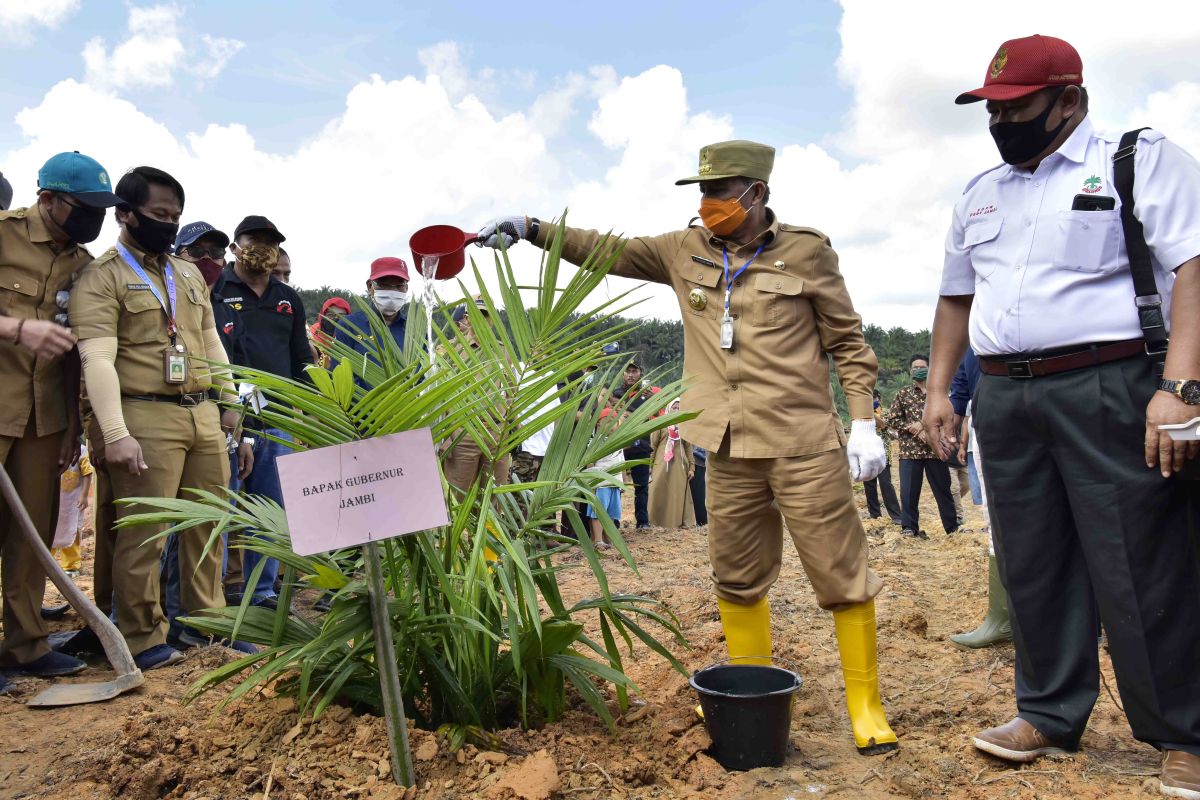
140	315
763	303
40	252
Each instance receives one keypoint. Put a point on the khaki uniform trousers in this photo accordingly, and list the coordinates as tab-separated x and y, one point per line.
751	498
465	462
106	517
185	449
32	463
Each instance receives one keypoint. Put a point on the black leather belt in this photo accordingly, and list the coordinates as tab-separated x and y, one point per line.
1053	363
188	400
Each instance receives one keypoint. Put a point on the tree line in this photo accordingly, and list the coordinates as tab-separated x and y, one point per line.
659	346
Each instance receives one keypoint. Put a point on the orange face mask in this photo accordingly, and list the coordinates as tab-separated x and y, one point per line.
723	217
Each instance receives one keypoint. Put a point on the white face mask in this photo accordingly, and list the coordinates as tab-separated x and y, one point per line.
390	301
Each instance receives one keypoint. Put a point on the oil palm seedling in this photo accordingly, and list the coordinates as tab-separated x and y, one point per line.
483	634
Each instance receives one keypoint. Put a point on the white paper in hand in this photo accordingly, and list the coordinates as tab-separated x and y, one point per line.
1184	431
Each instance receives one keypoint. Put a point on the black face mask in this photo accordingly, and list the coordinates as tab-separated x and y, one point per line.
82	224
152	235
1019	142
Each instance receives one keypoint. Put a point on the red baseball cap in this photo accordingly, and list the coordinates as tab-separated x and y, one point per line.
1024	66
388	266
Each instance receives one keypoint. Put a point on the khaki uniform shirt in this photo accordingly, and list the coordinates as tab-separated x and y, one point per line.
31	276
111	300
790	308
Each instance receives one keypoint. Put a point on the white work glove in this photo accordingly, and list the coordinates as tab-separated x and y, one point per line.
510	229
865	450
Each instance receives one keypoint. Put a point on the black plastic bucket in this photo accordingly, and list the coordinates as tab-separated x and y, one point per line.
747	710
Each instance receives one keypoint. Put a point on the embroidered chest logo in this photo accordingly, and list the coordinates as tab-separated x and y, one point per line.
1092	184
284	307
228	328
979	212
998	63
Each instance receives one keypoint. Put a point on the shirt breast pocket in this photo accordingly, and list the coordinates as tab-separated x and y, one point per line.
16	287
979	239
142	318
777	299
703	298
1088	241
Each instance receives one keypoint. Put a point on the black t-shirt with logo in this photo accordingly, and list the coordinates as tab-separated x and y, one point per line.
267	333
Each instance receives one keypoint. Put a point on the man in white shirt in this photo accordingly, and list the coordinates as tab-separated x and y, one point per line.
1089	509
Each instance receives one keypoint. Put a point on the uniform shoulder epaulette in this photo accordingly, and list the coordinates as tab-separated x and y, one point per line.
13	213
971	183
783	226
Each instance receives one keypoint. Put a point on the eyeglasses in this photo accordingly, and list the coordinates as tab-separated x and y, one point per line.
199	251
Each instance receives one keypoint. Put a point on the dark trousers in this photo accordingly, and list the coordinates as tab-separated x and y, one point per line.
699	496
1082	526
883	484
911	472
641	491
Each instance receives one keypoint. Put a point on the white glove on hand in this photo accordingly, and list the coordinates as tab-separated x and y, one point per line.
865	450
509	229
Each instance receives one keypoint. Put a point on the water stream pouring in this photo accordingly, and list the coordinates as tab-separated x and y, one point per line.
438	252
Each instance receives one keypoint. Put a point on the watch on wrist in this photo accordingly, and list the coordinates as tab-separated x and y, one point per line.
1187	391
534	226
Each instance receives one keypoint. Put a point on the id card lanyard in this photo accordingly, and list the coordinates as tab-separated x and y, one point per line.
168	306
726	320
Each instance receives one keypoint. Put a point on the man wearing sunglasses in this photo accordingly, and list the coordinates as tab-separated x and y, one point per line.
41	249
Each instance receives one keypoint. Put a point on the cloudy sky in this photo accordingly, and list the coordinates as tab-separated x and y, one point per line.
352	125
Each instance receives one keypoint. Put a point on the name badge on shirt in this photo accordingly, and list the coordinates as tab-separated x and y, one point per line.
175	364
704	261
726	333
134	287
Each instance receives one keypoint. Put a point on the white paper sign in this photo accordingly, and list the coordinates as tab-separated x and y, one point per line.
361	492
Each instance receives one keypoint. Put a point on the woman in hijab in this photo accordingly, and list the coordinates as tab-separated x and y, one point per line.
670	495
322	331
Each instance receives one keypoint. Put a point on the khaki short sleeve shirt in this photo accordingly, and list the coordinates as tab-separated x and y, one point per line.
790	310
32	274
112	301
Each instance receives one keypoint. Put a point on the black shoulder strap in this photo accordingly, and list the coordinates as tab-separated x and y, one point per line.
1147	298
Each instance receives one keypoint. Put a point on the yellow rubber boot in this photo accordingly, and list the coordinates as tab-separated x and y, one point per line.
747	630
856	641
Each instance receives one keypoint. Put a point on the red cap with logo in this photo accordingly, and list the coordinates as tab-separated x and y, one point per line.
388	266
1024	66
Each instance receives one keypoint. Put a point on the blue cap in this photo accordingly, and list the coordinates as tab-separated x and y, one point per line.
611	349
79	176
5	193
189	233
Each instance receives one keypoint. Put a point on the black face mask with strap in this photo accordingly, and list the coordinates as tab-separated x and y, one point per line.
82	224
152	235
1019	142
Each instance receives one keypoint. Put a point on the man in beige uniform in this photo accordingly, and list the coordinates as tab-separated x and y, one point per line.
41	250
763	303
140	314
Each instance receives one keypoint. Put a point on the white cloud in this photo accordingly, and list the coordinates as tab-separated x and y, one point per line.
154	54
414	151
21	15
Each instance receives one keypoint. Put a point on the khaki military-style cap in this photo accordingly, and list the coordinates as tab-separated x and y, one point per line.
736	159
